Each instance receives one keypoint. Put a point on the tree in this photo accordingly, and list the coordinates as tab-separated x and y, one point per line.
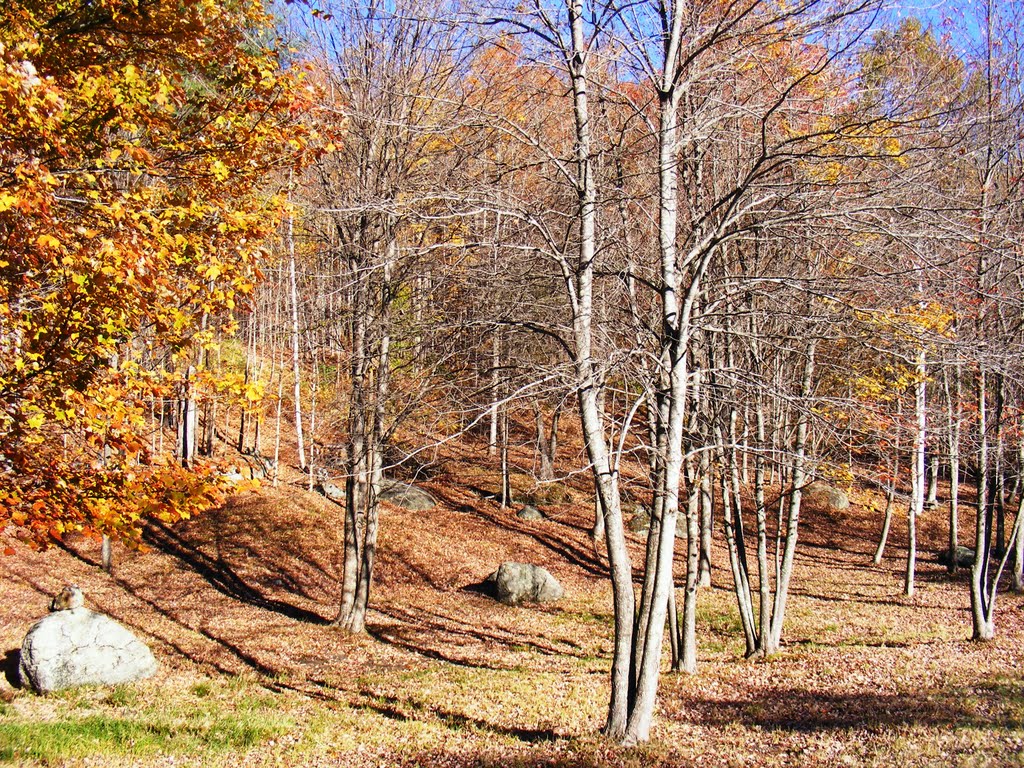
135	140
383	224
678	71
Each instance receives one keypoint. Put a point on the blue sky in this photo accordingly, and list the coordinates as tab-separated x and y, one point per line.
961	19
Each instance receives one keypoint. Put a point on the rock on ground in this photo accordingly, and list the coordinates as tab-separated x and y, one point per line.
640	522
516	583
529	512
825	495
333	492
76	647
964	557
408	496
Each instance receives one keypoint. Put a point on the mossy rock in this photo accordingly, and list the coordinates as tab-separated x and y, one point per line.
640	522
529	512
551	493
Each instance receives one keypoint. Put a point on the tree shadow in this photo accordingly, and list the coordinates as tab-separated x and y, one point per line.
12	662
850	596
818	551
440	637
409	710
798	710
220	574
549	533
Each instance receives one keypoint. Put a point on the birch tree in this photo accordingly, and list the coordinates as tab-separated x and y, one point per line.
669	50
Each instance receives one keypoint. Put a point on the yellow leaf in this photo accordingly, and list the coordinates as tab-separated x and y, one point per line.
47	241
220	171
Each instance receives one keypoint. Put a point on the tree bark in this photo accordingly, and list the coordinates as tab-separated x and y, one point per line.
296	361
953	410
918	477
581	284
773	635
983	627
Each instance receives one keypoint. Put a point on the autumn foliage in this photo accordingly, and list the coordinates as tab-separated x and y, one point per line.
135	142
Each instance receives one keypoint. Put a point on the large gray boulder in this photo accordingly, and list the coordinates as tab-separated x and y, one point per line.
75	646
516	583
408	496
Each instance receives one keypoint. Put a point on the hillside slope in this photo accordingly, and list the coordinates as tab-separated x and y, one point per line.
237	604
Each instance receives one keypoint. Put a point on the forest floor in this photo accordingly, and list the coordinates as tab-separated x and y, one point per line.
236	605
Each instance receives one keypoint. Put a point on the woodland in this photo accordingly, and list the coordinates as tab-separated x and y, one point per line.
681	274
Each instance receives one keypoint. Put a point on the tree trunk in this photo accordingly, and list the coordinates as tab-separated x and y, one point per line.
370	390
707	510
687	661
296	362
1017	573
890	494
107	554
313	392
933	467
581	290
953	412
919	480
995	484
277	427
547	442
494	410
773	634
761	512
506	473
737	553
983	627
890	497
187	421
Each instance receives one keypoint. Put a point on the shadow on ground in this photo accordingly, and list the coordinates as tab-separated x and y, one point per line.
798	710
12	660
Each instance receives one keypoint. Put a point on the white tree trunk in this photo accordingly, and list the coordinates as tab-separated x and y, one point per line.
918	474
296	361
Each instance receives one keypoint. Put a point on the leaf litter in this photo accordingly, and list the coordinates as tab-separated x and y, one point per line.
238	603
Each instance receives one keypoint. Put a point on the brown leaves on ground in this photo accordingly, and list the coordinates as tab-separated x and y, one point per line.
447	676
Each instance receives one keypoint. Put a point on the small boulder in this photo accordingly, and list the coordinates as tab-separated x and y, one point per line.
333	492
250	468
260	467
75	646
407	496
529	512
964	557
69	598
551	493
822	494
517	583
640	522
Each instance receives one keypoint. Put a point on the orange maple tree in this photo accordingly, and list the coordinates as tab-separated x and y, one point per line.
136	140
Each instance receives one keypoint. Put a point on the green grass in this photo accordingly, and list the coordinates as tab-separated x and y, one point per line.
128	723
144	736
